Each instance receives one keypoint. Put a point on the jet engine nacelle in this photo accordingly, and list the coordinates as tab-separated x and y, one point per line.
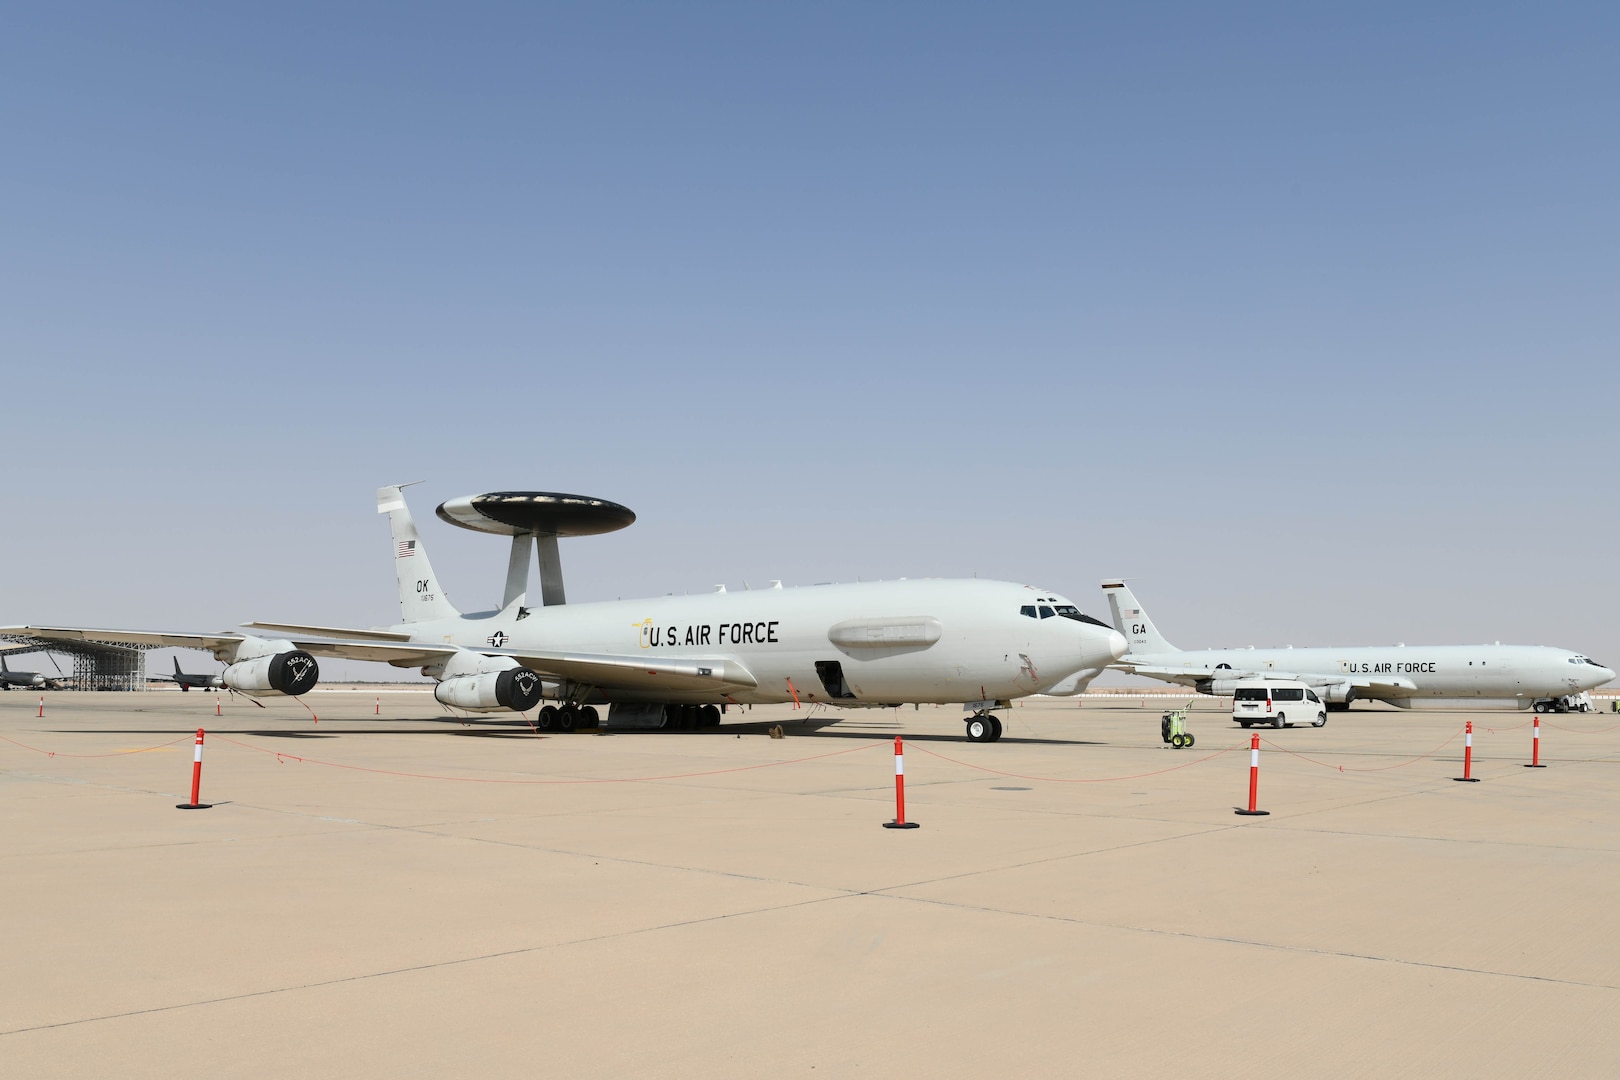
480	683
1341	693
1221	687
264	668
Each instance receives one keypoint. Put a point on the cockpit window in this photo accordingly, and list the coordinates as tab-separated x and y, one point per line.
1027	609
1069	611
1046	612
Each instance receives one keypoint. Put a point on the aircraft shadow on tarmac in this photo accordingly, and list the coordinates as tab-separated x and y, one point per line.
810	727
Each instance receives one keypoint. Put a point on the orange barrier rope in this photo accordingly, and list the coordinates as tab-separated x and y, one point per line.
283	756
1578	731
1381	768
115	753
1083	779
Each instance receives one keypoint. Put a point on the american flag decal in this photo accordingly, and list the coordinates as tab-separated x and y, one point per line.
407	548
1132	612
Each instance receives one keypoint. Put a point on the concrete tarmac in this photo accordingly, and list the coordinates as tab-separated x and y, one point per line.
411	895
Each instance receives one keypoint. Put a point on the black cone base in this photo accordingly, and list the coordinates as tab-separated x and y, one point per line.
194	806
1253	813
1466	779
1535	766
901	825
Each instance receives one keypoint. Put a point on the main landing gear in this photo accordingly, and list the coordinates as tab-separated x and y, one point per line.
983	727
567	718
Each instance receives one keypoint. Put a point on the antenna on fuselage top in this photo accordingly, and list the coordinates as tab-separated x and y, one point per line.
535	520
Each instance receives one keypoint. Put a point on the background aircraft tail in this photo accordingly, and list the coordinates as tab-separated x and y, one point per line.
1132	621
420	597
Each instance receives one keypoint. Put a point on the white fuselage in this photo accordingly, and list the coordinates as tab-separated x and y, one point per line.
1410	676
982	650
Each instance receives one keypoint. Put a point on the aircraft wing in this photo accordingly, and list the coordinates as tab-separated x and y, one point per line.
1170	674
1377	685
404	654
638	673
330	631
602	670
151	638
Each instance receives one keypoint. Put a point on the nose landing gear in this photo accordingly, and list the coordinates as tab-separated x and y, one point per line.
983	727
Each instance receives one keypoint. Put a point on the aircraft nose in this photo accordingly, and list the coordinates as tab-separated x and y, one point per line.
1601	676
1100	647
1118	646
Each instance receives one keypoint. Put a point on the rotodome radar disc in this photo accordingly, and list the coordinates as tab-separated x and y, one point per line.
544	513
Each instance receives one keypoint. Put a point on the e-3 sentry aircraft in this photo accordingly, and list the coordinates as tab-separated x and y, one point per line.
674	661
1407	676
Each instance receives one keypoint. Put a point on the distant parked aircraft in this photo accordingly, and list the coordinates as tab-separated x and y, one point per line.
186	682
9	678
1409	677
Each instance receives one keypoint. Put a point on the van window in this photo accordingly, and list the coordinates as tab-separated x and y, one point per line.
1282	693
1312	695
1249	693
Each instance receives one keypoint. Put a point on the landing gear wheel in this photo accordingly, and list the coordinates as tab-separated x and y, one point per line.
1321	720
995	729
1280	722
978	728
589	717
547	718
567	718
709	716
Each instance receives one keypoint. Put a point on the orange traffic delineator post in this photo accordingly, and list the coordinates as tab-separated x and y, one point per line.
1535	744
378	711
1468	776
42	704
1254	780
196	778
900	821
216	706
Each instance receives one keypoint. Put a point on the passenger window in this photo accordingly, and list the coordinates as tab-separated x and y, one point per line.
1027	609
1046	612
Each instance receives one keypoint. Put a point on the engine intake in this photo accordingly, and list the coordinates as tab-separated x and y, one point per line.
515	688
293	673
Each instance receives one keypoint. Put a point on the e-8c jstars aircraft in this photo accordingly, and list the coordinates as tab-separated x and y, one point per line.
1416	677
674	661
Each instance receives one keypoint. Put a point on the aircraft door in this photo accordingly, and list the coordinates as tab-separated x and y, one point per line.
831	674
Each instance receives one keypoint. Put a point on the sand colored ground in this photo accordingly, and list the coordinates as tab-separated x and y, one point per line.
745	915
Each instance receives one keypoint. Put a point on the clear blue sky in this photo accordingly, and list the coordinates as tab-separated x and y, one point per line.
1306	316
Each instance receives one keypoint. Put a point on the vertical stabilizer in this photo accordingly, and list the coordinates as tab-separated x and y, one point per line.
421	598
1129	619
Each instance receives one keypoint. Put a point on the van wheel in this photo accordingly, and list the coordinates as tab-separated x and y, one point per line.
1321	720
1280	722
1245	725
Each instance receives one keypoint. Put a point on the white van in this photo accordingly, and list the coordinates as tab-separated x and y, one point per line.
1273	701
